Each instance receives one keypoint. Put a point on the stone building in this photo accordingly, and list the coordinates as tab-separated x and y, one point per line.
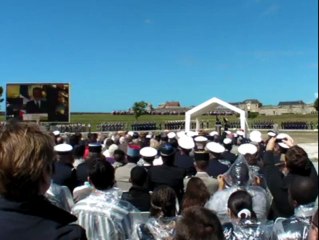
288	107
249	105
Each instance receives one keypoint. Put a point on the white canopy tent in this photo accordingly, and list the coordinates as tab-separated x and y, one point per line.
206	107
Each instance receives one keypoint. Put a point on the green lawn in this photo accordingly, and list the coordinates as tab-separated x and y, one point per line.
95	118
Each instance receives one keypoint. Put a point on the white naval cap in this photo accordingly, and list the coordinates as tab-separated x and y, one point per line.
228	132
148	152
180	134
271	133
200	139
283	136
255	136
63	148
213	133
227	141
191	134
171	135
215	147
56	133
186	142
247	148
149	135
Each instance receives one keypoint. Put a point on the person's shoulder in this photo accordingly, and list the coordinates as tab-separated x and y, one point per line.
71	231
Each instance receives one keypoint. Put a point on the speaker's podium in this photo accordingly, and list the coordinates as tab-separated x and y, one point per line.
35	117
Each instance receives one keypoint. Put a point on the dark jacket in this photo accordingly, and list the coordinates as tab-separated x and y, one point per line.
278	185
231	157
216	168
185	162
36	219
82	172
65	175
139	197
31	107
167	175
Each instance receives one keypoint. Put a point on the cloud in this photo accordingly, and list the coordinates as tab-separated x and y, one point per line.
316	94
271	10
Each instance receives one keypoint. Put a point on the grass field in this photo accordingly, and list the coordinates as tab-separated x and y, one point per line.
98	118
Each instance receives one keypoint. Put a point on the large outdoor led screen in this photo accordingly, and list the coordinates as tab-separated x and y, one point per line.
45	102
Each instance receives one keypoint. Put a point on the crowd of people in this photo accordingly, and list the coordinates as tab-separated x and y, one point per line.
262	124
144	126
111	126
167	186
297	125
73	127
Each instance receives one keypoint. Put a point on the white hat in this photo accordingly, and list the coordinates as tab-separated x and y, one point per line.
215	147
271	133
227	141
63	148
180	134
213	133
282	136
200	139
56	133
247	148
191	134
130	133
255	136
228	132
148	152
112	148
186	142
122	140
171	135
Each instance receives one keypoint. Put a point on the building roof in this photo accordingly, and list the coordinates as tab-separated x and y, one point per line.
287	103
170	105
251	101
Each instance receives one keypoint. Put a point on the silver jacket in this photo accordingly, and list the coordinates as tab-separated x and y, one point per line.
247	230
60	196
218	202
162	228
295	227
104	215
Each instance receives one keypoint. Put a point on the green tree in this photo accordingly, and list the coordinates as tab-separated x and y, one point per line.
316	104
1	92
139	109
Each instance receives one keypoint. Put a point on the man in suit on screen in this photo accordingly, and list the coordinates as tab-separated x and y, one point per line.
37	104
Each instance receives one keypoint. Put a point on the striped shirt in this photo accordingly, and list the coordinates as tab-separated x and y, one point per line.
104	215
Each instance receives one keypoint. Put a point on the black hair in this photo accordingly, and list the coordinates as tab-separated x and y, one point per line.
119	155
163	201
78	151
303	190
101	174
198	223
297	161
138	176
238	201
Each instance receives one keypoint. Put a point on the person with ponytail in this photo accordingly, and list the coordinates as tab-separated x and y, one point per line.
244	223
162	221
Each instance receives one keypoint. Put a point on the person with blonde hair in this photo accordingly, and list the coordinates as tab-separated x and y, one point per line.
26	166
